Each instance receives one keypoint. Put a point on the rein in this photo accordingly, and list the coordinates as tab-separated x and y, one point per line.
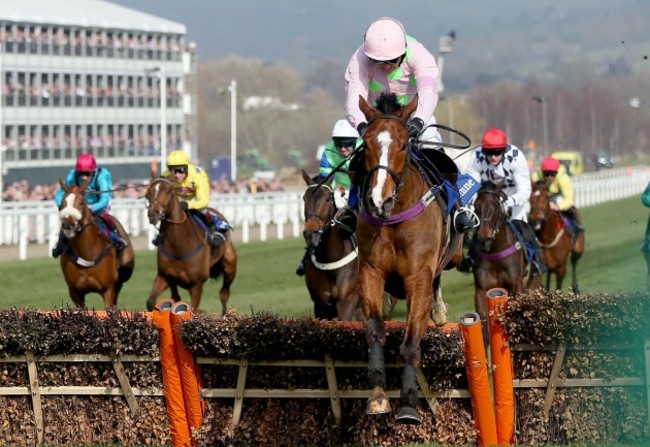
167	219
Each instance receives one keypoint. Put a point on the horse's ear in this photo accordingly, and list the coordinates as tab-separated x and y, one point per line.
306	177
154	168
367	110
408	109
63	185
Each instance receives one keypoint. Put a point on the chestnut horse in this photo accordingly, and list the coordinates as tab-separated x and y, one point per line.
90	263
556	239
332	273
185	257
500	258
402	240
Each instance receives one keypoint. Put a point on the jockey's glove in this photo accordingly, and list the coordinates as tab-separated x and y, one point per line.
415	127
507	205
184	205
361	128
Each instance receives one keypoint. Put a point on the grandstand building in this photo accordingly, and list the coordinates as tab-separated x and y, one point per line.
89	75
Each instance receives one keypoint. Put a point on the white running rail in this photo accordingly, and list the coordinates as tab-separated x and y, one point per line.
37	222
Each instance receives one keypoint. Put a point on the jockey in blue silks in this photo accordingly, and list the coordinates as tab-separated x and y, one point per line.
98	197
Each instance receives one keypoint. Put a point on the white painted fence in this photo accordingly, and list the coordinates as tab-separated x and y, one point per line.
37	222
26	222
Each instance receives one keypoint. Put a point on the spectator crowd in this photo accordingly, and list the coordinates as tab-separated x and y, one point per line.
22	190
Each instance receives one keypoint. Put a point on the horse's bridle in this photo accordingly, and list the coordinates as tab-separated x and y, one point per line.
542	211
162	215
399	179
501	218
80	224
323	224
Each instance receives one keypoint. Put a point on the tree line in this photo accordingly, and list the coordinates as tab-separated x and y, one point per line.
575	110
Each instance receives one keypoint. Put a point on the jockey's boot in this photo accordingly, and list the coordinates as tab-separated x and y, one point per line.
59	247
464	220
346	219
570	213
120	242
215	237
538	262
300	271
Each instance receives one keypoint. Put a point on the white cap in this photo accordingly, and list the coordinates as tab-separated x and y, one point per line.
343	129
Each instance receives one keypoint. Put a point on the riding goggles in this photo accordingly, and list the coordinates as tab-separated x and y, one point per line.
178	169
344	142
493	152
549	173
389	62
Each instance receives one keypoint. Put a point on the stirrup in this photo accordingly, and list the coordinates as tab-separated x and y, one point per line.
472	218
216	238
121	243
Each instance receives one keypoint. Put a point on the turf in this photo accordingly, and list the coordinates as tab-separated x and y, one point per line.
266	280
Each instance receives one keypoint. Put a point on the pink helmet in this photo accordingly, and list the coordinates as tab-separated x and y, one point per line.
494	139
385	40
85	163
550	164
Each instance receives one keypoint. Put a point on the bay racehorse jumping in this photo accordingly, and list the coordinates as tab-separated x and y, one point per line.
90	262
556	237
499	256
185	257
402	239
332	272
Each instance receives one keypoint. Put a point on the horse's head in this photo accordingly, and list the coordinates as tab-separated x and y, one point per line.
489	209
319	208
159	197
540	208
74	212
387	152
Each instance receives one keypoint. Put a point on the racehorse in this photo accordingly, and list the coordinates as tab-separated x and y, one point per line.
185	257
402	247
556	238
331	276
90	263
500	258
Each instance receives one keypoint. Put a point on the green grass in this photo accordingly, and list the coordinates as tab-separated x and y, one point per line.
266	279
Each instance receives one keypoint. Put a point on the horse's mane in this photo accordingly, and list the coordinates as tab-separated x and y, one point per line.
491	186
387	103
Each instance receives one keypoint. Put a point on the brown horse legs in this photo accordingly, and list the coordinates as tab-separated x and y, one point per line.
159	285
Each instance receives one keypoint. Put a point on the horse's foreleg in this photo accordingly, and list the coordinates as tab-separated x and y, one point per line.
159	285
195	293
560	273
419	294
78	298
346	307
575	257
224	296
440	312
110	297
371	287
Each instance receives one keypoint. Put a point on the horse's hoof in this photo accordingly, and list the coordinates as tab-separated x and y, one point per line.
408	415
377	406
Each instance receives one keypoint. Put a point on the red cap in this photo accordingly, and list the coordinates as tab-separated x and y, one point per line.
550	164
85	163
494	139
